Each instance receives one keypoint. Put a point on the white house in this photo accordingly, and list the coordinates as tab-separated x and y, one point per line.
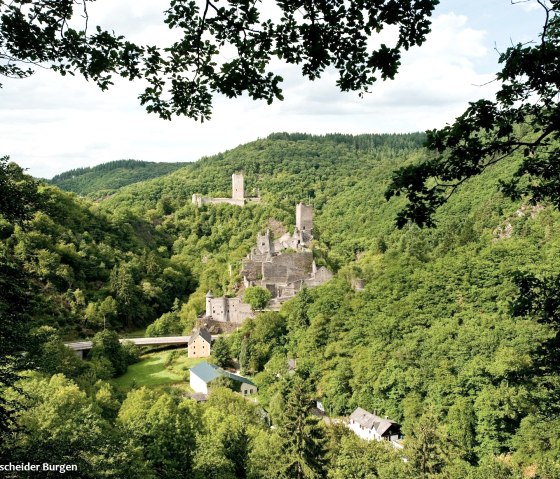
369	426
204	373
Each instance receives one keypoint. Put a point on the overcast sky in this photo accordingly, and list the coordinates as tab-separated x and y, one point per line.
51	124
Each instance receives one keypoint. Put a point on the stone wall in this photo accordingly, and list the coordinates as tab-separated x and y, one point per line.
286	268
228	310
322	275
239	311
204	200
252	270
264	244
217	327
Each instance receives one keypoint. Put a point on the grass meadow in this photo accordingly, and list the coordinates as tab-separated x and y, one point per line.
162	368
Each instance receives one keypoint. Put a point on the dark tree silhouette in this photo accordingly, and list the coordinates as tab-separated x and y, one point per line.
183	77
524	117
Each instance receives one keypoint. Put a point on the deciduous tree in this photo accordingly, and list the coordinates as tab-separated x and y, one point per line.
183	77
523	118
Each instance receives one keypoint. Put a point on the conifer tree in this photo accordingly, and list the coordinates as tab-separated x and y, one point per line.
221	352
244	356
303	439
426	448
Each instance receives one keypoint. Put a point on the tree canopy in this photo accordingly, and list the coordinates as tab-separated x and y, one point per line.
524	117
183	77
454	334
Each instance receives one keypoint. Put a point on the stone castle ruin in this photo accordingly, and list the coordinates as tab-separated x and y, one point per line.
283	266
227	310
237	194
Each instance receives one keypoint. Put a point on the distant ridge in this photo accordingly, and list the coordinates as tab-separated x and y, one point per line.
107	178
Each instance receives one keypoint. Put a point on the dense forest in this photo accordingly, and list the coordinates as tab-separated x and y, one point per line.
103	180
455	334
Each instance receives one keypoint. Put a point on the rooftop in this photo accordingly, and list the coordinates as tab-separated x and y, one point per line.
208	372
203	333
368	420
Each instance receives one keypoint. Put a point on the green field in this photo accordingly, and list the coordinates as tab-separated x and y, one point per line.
153	371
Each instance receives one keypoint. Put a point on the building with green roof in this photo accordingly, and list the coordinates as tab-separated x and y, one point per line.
204	373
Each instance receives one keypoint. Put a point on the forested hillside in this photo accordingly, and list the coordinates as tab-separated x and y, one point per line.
103	180
448	336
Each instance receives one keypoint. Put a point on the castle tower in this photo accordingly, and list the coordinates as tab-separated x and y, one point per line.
209	297
225	309
237	186
264	243
304	218
197	199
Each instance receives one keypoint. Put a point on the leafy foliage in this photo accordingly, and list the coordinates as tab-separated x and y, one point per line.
105	179
183	77
257	297
106	345
524	117
450	336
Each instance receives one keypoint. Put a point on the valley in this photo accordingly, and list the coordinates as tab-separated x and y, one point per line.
427	327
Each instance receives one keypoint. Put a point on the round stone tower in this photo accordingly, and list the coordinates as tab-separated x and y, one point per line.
209	297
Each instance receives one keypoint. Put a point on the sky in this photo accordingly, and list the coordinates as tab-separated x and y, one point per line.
50	124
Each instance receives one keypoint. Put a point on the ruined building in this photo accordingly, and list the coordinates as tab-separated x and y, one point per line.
227	310
283	266
237	194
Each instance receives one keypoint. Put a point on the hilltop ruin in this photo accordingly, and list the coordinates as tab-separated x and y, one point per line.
283	266
237	194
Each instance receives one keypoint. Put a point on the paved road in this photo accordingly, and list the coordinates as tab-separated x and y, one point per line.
164	340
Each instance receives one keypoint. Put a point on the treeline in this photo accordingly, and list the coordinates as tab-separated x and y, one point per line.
365	142
103	180
114	165
90	269
160	434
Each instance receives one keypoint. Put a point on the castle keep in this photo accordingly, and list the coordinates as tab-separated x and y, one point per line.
237	194
283	266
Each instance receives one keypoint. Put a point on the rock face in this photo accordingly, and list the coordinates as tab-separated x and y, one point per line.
283	266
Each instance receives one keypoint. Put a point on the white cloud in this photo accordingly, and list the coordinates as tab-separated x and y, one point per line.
51	124
530	5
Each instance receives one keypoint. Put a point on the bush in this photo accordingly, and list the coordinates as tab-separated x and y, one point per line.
102	368
106	345
170	358
131	352
257	297
166	325
220	352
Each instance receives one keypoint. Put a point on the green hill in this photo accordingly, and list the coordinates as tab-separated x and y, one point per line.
103	180
436	340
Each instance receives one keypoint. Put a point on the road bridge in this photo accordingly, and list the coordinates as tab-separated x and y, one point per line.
80	346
